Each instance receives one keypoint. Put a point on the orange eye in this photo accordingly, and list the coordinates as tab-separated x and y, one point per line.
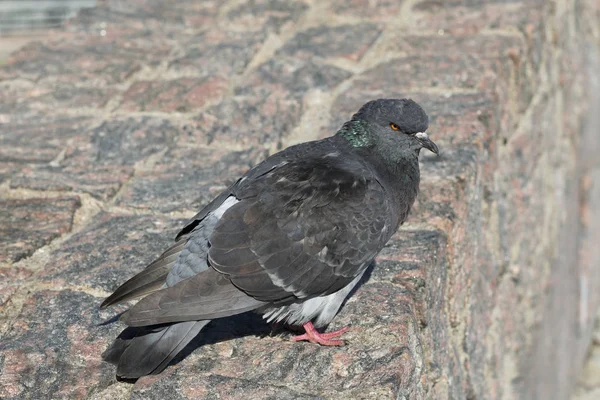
394	126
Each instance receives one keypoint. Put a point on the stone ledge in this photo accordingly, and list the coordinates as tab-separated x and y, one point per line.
464	299
26	225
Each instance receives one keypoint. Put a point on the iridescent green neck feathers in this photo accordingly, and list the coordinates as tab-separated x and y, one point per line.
357	133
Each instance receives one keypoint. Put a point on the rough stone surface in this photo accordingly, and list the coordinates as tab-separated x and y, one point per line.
26	225
130	242
588	387
216	51
187	179
53	351
346	41
116	130
247	121
101	158
182	95
38	142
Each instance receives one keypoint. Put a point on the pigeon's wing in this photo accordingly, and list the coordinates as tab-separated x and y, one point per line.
204	296
185	258
150	279
305	228
198	218
299	151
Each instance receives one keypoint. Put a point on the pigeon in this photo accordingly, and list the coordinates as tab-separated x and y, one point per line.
290	239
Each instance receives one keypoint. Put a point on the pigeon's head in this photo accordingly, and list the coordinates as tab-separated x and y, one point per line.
398	124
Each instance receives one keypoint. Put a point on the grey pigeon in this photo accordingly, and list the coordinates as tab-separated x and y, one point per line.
289	239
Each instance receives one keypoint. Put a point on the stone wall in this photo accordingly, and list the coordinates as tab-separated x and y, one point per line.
588	385
115	131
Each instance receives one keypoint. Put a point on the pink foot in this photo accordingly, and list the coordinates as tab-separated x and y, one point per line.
324	339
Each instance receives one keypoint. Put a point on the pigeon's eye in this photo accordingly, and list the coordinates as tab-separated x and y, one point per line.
394	126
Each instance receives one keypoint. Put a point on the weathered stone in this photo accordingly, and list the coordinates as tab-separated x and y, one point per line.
443	71
113	148
11	278
7	169
125	141
345	41
470	17
182	95
136	17
54	344
27	225
247	121
217	52
110	250
501	56
201	386
102	182
272	15
379	10
269	105
589	380
97	62
294	75
186	179
187	13
25	141
280	86
65	96
485	47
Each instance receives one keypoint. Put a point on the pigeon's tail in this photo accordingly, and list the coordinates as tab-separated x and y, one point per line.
140	351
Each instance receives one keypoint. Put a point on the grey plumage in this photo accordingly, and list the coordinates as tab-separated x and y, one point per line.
290	238
148	350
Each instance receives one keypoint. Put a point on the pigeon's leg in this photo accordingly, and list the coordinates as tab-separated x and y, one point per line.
313	336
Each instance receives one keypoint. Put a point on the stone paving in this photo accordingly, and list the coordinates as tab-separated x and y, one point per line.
588	387
117	130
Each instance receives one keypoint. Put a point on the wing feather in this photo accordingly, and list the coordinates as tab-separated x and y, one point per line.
204	296
303	227
150	279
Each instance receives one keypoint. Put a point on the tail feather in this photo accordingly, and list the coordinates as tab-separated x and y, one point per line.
140	351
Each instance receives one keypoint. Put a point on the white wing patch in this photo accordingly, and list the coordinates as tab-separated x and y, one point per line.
230	201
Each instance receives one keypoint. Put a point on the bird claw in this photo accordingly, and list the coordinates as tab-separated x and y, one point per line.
324	339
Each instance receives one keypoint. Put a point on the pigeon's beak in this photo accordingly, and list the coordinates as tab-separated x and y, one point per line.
426	142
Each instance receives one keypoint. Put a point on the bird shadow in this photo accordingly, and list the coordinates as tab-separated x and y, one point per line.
248	324
241	325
